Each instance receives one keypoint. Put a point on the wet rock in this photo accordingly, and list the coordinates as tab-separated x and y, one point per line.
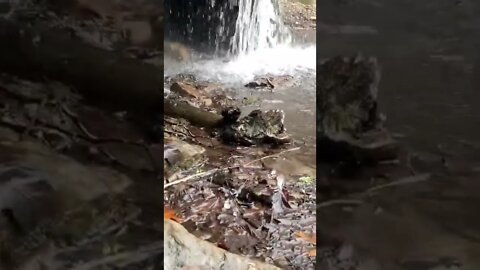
208	87
171	154
176	51
185	89
37	186
348	123
207	102
75	181
137	32
231	115
183	251
258	128
182	77
260	83
221	102
270	82
182	155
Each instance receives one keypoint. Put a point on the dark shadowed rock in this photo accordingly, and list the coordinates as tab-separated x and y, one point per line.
349	125
258	128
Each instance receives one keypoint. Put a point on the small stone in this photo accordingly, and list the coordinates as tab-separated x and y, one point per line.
207	102
177	50
185	89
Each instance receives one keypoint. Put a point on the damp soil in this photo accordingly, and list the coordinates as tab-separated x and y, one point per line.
427	50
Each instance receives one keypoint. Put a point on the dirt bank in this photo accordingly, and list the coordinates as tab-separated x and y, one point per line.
298	14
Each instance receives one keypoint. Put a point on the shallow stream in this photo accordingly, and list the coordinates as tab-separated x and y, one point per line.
261	51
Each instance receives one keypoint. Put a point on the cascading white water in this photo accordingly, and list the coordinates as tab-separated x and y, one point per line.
258	26
262	44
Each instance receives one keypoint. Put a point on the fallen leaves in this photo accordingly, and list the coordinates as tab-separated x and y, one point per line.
310	238
171	215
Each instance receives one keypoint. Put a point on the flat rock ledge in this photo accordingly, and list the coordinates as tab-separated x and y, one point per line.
184	251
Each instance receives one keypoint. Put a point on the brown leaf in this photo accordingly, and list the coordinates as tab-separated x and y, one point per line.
312	238
312	253
170	214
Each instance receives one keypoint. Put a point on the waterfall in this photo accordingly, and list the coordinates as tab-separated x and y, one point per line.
258	26
249	39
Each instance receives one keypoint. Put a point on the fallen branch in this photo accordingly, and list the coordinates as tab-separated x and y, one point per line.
192	177
400	182
210	172
271	156
194	115
339	201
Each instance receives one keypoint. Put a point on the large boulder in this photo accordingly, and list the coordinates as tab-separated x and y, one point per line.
349	126
183	250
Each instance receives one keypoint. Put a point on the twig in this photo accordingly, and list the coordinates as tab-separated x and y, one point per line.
178	133
177	174
269	82
94	139
210	172
174	123
400	182
87	135
271	156
191	177
339	201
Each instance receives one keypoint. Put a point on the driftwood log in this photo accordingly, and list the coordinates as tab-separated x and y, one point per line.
194	115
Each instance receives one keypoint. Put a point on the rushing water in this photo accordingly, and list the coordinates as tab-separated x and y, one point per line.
258	27
262	45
